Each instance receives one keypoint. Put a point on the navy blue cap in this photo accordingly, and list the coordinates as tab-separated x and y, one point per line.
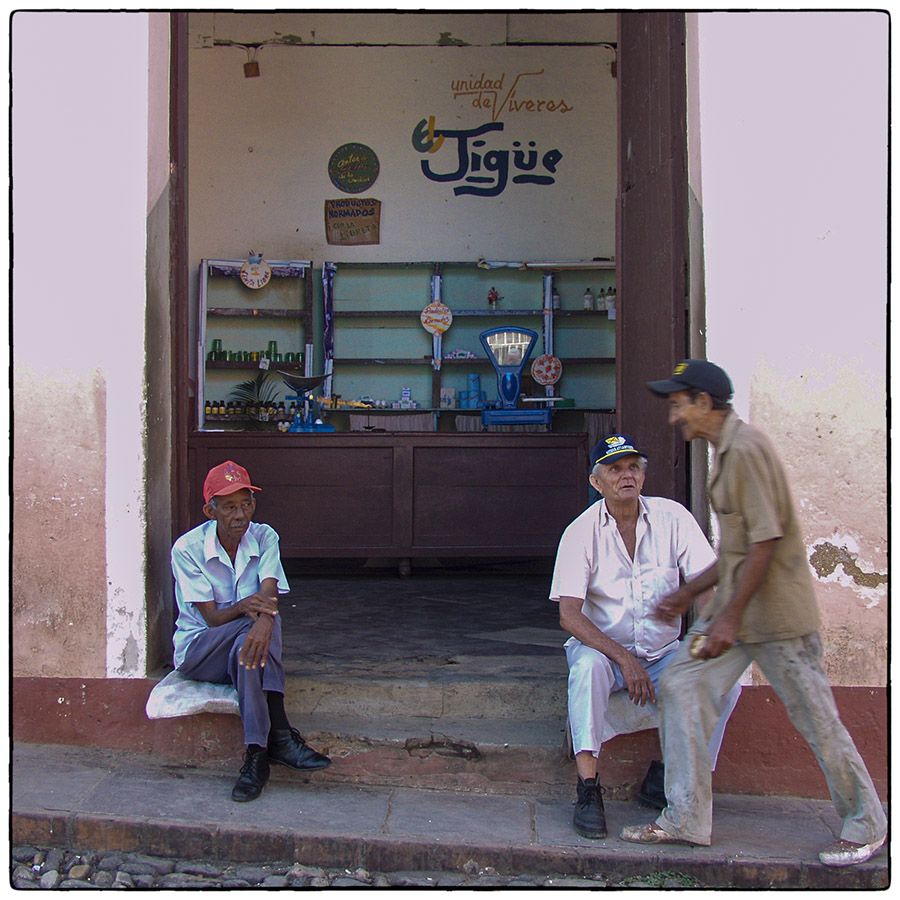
699	374
614	447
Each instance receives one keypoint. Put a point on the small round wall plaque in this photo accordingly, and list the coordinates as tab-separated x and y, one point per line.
546	369
436	317
353	168
255	272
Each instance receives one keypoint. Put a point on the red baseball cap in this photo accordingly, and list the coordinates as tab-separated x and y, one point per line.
226	479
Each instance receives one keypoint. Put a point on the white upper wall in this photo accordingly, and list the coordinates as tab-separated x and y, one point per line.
794	174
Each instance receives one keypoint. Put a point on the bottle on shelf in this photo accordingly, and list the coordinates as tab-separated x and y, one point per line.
588	299
600	304
207	409
555	299
611	303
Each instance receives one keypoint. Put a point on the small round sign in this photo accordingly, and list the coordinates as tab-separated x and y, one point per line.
546	369
353	168
255	273
436	317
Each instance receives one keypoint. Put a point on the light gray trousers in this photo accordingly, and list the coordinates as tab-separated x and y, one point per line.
213	656
593	677
688	699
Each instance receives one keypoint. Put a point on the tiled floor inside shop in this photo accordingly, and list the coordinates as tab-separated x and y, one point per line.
477	619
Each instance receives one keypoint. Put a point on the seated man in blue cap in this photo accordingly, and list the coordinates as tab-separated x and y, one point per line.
615	563
228	576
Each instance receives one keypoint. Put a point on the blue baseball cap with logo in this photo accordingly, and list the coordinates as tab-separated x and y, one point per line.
614	447
699	374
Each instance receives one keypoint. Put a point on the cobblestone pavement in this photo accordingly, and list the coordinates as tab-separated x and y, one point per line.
36	868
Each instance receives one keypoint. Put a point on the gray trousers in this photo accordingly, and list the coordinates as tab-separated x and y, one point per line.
213	656
689	696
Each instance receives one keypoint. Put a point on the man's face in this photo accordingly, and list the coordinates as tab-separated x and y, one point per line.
621	480
232	513
687	413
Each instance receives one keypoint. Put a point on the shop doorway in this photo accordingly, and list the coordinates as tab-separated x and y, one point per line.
496	620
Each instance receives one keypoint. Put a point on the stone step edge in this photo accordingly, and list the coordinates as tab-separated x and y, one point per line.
516	700
188	840
412	731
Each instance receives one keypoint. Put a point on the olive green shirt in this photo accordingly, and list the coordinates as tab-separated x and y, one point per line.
749	492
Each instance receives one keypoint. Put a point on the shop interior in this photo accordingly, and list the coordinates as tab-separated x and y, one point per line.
417	390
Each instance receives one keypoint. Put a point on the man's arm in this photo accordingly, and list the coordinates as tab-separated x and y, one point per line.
576	623
261	606
725	626
676	604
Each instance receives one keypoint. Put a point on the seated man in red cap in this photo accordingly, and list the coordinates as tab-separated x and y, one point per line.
228	576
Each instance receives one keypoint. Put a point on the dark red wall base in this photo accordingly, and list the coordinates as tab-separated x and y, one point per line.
762	753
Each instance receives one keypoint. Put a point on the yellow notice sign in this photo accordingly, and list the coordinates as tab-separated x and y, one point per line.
354	220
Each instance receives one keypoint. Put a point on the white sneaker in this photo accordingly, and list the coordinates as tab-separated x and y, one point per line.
846	853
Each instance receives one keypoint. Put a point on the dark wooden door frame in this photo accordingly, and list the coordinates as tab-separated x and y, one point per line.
652	236
651	244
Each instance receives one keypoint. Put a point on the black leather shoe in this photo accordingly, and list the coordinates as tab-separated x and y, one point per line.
589	819
652	791
253	777
287	748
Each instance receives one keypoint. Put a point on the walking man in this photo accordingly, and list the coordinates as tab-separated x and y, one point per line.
228	576
764	611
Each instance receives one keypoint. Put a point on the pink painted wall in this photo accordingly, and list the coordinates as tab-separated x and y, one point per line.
793	159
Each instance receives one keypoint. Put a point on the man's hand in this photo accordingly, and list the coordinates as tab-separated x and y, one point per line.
674	605
255	650
259	604
721	636
637	681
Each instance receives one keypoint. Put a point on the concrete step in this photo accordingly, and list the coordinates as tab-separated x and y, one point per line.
473	728
489	756
461	696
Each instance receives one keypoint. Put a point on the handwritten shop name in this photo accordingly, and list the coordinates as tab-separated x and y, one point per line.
484	173
489	93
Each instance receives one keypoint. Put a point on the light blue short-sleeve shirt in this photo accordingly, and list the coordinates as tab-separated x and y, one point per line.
203	573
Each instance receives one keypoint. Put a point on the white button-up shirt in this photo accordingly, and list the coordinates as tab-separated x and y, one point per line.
619	592
203	573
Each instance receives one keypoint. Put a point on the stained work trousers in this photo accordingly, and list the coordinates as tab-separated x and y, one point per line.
688	694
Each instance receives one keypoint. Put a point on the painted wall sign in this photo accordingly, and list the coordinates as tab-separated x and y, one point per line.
485	173
353	220
510	94
505	152
353	168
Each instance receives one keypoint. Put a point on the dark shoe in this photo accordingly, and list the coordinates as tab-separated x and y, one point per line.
589	819
653	790
287	748
253	777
